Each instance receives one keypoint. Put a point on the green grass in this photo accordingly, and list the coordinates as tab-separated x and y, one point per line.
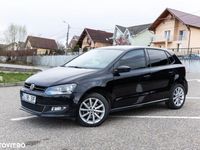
11	77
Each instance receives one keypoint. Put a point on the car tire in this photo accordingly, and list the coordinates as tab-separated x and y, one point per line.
177	97
93	110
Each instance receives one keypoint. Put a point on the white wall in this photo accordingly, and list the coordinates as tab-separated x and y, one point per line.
142	39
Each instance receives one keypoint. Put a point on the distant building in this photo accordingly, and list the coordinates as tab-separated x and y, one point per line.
20	45
91	38
134	35
44	46
73	42
11	46
2	46
176	29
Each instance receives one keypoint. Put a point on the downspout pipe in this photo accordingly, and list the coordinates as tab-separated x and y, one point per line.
189	38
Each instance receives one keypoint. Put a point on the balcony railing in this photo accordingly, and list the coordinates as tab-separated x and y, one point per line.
161	39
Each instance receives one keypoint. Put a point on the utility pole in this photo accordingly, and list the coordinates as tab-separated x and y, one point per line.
67	37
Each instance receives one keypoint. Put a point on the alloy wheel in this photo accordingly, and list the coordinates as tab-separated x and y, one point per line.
178	96
92	110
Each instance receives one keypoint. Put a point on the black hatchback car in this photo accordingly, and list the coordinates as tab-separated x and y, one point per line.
105	80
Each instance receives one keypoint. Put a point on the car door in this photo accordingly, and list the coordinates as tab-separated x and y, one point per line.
129	88
161	73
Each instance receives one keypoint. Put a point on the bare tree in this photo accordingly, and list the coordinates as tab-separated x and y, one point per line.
60	45
22	32
11	33
15	33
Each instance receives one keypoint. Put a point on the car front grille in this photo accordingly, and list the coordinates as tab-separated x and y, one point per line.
36	87
34	107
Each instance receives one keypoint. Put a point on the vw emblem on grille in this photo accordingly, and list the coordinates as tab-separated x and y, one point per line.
32	86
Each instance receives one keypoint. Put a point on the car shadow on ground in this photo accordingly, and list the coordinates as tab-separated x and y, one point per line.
49	123
143	110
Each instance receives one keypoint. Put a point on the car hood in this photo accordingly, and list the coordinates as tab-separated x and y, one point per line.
58	75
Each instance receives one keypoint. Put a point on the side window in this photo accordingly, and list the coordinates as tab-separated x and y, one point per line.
157	57
134	59
170	58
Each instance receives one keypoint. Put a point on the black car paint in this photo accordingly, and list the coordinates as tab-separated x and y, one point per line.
58	75
124	90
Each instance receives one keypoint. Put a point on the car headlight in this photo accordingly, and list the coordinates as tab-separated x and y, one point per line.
60	89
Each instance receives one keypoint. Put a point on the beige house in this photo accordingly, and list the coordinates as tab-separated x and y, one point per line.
43	46
91	38
176	30
73	42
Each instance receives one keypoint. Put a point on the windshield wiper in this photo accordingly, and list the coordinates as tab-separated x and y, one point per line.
74	67
81	67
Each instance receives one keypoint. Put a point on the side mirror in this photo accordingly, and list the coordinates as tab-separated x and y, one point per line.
122	69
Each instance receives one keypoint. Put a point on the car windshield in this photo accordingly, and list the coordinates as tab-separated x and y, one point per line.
94	59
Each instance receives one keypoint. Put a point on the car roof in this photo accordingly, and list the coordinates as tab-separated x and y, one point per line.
120	47
129	47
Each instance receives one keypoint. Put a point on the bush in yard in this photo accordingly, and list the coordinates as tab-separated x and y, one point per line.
76	48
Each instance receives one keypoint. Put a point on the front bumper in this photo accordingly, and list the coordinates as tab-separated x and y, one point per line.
44	104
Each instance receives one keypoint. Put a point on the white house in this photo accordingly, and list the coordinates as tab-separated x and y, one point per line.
134	35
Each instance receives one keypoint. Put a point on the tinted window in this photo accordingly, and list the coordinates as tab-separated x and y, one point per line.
157	57
134	59
170	58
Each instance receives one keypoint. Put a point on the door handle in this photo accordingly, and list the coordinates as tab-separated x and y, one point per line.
171	72
147	76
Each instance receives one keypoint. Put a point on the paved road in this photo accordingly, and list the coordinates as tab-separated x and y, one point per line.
151	127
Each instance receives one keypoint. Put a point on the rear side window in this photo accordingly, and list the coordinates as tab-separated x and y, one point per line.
157	58
170	57
134	59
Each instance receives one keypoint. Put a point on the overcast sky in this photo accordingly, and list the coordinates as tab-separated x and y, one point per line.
45	17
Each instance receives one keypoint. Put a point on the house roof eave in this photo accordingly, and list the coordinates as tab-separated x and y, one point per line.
117	26
183	17
157	21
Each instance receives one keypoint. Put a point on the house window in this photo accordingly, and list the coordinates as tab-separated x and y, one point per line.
167	35
182	35
127	36
88	41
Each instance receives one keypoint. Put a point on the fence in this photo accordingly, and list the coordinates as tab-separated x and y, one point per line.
192	62
29	56
50	61
9	53
185	51
192	66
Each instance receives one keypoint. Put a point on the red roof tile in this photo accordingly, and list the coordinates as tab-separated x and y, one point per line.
186	18
100	36
96	36
38	42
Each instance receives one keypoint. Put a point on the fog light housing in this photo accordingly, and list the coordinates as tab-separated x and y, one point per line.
58	108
